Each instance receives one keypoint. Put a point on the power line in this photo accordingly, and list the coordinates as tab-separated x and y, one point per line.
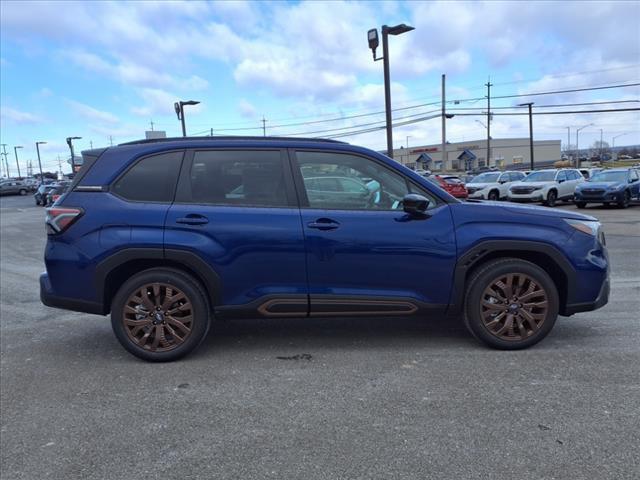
379	112
409	122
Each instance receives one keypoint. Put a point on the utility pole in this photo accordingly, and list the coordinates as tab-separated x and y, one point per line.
15	151
111	140
91	144
600	153
30	169
264	127
489	85
530	105
6	163
59	165
151	122
444	126
568	141
212	131
39	161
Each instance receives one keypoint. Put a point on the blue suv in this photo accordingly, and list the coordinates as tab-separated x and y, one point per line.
168	235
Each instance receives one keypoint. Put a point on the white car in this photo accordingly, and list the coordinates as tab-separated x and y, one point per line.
546	186
492	185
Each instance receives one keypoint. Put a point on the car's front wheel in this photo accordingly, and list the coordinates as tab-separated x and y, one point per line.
581	204
160	314
552	196
23	192
510	304
626	200
494	195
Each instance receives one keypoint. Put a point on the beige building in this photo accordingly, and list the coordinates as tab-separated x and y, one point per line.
510	153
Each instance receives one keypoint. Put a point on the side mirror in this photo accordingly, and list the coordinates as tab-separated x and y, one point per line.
560	181
415	204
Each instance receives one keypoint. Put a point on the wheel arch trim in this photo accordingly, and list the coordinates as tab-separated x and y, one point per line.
479	252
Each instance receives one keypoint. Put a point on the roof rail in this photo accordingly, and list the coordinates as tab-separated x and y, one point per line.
229	137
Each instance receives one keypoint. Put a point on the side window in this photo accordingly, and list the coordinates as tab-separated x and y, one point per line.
364	183
152	179
576	175
236	177
633	175
562	175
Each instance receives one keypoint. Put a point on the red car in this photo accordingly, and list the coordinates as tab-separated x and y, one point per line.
451	184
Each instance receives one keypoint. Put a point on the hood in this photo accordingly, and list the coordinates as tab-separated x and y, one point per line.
604	185
529	210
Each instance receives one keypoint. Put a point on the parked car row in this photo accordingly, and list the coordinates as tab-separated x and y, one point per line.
618	186
47	194
14	187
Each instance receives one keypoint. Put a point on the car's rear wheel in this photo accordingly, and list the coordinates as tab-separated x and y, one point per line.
23	192
552	196
160	314
510	304
581	204
626	200
494	195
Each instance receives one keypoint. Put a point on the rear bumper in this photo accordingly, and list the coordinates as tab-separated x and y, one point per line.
48	298
600	301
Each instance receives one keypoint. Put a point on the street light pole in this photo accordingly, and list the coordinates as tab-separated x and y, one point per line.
530	105
179	108
15	151
39	162
613	143
578	143
73	158
372	36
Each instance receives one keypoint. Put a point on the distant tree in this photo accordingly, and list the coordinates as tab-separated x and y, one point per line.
599	147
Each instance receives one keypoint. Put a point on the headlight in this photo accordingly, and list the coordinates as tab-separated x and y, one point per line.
585	226
616	187
537	188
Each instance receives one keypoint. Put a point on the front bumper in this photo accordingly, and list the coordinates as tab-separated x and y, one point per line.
525	198
612	196
600	301
50	299
477	195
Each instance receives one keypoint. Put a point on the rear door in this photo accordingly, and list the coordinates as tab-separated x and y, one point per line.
237	210
369	257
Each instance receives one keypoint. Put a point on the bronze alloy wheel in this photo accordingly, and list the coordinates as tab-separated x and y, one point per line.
514	307
158	317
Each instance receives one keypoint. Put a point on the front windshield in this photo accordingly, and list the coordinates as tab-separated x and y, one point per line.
489	177
619	177
548	176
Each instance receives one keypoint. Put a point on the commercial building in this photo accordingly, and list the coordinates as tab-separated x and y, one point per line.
511	153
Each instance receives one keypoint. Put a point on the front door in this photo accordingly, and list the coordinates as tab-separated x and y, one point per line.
237	210
365	255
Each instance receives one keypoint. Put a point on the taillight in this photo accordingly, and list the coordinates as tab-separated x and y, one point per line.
59	219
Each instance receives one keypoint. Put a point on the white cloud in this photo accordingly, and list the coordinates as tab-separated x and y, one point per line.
246	109
92	114
17	117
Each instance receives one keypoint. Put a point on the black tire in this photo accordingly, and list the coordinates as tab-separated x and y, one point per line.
581	204
194	294
23	192
606	204
483	278
494	195
626	200
552	196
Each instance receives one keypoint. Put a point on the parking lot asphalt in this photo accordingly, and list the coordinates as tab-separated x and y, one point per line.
317	399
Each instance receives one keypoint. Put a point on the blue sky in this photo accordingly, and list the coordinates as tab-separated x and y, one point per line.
107	69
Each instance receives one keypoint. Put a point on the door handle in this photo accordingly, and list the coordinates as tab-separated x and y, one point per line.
324	224
193	219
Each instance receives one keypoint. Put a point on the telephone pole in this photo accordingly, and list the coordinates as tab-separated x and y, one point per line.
111	140
488	85
264	127
444	126
6	162
151	122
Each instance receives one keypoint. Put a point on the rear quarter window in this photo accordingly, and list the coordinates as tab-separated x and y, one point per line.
151	179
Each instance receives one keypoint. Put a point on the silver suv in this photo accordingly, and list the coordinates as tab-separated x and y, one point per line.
546	186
